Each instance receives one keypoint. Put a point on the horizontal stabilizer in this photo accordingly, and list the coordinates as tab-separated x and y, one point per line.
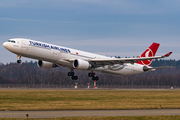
150	68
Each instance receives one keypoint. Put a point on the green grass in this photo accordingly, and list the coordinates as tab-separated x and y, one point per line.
108	118
88	99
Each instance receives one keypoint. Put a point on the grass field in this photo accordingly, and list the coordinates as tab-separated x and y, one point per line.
108	118
87	99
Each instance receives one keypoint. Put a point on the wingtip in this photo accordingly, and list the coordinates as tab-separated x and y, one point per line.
168	54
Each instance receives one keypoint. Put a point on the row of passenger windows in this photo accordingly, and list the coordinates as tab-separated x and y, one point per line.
12	41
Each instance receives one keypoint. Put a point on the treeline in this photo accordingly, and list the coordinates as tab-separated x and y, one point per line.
29	73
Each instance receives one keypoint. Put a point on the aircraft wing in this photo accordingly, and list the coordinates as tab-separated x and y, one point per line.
103	62
112	61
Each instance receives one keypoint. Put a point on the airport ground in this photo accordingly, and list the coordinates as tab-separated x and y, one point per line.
94	102
164	117
89	113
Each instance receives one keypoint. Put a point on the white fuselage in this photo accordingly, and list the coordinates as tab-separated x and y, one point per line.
59	55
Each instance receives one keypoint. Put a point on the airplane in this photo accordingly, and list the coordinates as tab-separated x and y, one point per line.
51	56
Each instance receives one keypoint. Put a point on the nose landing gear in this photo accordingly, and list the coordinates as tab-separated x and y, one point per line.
19	57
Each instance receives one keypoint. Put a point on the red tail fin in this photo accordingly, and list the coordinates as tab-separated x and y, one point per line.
149	52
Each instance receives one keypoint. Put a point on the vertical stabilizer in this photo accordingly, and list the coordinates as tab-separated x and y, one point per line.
149	52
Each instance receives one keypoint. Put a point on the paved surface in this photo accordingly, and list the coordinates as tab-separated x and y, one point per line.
75	113
81	89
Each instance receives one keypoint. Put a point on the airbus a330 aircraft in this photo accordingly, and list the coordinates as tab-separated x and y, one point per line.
50	56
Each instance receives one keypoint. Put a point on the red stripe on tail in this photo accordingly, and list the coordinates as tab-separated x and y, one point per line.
149	52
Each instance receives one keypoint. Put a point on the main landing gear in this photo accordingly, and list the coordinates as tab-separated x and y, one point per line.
72	75
94	77
19	57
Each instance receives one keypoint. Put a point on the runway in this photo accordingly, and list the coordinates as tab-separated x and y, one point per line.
76	113
141	89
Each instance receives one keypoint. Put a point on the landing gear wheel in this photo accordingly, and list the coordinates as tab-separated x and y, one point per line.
74	77
19	61
70	73
93	74
89	74
95	78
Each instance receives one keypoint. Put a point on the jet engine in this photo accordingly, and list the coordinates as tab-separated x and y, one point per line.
81	64
47	65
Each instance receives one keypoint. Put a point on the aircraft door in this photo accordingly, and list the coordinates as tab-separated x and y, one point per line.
23	44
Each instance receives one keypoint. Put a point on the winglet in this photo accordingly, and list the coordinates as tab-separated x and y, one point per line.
168	54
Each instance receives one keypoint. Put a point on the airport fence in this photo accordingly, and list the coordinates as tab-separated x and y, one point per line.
90	86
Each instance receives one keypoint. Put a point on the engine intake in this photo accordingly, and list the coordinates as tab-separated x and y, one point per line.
47	65
81	64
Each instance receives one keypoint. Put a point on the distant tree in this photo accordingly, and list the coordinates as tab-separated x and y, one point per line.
29	73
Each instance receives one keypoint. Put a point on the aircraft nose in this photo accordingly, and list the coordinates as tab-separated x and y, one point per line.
5	44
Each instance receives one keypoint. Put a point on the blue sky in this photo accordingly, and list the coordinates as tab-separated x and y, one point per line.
108	27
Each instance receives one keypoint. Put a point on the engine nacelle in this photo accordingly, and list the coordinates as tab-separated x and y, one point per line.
81	64
47	65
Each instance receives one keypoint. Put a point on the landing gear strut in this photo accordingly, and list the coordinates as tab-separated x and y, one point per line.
72	75
94	77
19	57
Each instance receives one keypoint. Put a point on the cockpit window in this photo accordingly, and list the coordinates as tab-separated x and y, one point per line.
12	41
